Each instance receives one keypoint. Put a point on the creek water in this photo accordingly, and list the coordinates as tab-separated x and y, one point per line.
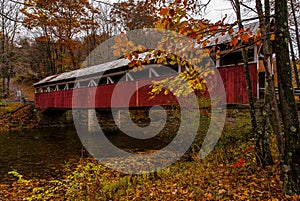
43	153
38	153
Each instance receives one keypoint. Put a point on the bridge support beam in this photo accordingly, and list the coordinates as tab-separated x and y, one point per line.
92	120
54	118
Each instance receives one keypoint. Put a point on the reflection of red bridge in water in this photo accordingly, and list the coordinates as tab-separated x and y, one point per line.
88	88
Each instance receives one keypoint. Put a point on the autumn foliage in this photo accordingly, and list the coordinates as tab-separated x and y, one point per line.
60	23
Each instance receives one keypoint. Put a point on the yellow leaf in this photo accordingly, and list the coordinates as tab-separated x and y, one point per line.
221	191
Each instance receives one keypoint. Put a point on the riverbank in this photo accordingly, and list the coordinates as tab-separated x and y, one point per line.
214	178
17	116
230	172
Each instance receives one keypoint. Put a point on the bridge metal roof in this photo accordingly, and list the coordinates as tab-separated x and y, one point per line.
83	72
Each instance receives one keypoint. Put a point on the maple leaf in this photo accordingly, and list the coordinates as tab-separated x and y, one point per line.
163	11
234	42
230	31
239	163
213	28
132	63
245	38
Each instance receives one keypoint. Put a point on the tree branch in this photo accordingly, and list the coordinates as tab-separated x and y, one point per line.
248	7
7	17
22	3
103	2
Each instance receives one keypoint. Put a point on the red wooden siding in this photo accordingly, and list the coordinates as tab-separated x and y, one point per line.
235	83
101	96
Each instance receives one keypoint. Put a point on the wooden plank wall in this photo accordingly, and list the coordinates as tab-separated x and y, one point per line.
235	83
101	96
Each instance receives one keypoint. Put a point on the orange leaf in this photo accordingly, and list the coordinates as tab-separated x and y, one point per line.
234	42
131	64
212	28
230	31
245	38
163	11
116	53
241	31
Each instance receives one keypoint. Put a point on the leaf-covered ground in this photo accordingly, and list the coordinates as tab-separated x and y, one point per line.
17	116
206	180
230	172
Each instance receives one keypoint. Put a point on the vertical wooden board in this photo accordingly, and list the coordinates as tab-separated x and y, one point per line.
241	89
223	77
56	99
235	83
63	99
143	92
75	102
83	97
122	97
103	95
69	94
230	84
238	84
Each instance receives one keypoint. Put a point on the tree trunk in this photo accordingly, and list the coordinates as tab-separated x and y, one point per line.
52	69
270	102
294	64
287	101
3	86
296	26
8	84
262	148
3	49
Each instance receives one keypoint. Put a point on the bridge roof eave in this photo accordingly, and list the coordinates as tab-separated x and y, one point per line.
45	80
85	72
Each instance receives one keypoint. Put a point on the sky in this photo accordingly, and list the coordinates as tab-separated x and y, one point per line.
217	9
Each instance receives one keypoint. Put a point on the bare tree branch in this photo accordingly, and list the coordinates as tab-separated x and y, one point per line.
9	18
22	3
103	2
248	7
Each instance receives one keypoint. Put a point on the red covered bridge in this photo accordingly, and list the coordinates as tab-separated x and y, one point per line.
97	82
59	91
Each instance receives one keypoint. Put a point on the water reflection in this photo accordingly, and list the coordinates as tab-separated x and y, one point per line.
38	153
42	153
